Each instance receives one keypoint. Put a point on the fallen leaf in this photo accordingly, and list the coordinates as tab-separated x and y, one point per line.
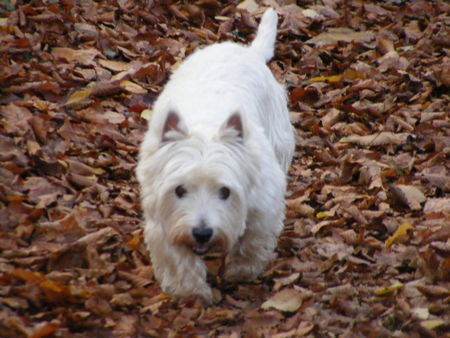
408	195
280	282
421	313
287	300
432	323
82	56
147	114
132	87
389	290
79	97
383	138
328	79
401	231
116	66
433	205
250	5
334	35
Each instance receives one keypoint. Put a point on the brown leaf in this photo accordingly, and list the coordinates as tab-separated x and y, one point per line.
434	205
391	60
382	138
287	300
334	35
284	281
81	56
15	119
434	290
98	306
122	299
42	192
408	195
412	31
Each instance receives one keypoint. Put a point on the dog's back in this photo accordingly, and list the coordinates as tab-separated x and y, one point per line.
225	78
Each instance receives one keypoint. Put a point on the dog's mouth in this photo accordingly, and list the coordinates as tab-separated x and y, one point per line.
201	249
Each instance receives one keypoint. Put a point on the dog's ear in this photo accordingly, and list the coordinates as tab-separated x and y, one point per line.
233	128
174	128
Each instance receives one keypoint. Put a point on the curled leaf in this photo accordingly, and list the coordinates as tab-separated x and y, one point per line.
401	231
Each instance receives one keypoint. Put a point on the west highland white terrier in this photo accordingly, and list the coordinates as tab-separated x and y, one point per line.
212	166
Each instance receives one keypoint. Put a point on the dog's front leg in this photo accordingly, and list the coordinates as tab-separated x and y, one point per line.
254	250
181	273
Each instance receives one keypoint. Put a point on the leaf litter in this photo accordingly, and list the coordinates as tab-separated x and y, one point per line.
366	246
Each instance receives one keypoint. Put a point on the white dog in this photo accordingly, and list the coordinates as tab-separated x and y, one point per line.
212	167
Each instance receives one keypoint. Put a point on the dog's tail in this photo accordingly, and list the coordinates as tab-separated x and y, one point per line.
264	42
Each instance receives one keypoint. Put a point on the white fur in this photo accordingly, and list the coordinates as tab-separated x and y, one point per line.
206	150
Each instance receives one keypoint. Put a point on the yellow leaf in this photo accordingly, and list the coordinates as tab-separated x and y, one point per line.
79	96
147	114
132	87
98	171
41	105
432	323
329	79
390	289
402	230
63	163
52	286
162	296
221	18
323	214
352	75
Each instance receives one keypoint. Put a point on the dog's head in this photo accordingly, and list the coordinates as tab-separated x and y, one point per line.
197	189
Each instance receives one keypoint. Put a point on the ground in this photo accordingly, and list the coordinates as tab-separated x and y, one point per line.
366	249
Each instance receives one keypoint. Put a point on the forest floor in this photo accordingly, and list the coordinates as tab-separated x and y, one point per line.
366	246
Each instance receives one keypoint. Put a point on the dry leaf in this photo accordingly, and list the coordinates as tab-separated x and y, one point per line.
77	78
287	300
132	87
421	313
399	234
250	5
379	139
79	96
433	205
432	323
335	35
329	79
408	195
389	290
147	114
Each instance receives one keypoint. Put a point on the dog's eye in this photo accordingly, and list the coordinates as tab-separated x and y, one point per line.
224	193
180	191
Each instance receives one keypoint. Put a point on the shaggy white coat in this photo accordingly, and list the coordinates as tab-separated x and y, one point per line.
221	121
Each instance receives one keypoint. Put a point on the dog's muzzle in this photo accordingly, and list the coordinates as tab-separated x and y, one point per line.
202	236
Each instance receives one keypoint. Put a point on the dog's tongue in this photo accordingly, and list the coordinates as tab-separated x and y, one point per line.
200	249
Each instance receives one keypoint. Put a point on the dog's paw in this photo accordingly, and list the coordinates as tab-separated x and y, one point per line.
205	296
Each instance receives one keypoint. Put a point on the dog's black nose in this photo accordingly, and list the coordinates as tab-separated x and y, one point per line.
202	235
